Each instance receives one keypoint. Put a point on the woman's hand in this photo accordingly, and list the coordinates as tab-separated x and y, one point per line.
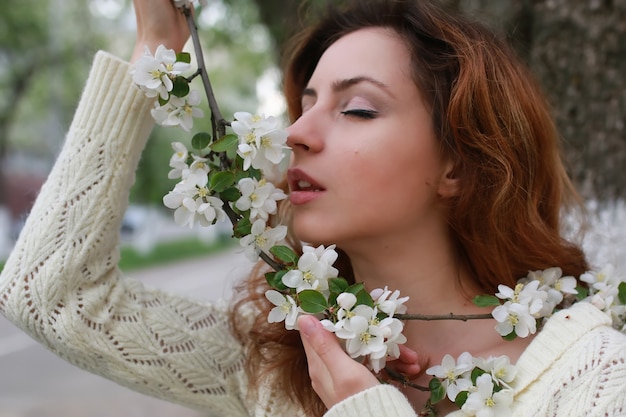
409	364
334	375
159	22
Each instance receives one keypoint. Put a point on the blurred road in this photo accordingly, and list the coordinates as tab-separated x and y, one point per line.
35	383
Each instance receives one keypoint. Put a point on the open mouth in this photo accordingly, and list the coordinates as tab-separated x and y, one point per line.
303	185
299	181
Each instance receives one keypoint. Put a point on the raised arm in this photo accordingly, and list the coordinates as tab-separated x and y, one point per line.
61	284
158	22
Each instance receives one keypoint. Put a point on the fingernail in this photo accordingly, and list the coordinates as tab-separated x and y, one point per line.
307	325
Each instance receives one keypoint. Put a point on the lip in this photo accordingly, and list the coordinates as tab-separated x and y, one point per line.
298	196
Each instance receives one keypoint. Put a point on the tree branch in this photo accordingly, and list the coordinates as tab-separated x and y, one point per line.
451	316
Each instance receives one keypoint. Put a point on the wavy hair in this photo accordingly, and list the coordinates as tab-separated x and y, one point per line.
492	121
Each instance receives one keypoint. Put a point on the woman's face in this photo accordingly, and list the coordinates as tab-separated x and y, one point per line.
366	164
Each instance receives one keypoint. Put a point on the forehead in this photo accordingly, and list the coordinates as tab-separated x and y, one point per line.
373	52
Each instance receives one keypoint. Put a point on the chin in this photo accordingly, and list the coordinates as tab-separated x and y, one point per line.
312	234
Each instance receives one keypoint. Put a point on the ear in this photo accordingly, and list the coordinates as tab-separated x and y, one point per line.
449	183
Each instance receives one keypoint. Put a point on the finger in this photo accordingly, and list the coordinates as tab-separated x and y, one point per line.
409	363
407	355
314	344
407	370
319	343
334	375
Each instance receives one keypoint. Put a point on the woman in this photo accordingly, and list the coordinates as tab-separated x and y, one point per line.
420	147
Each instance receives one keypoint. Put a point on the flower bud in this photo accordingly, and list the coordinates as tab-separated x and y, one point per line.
346	300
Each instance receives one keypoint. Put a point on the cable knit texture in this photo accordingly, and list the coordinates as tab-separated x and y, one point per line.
61	285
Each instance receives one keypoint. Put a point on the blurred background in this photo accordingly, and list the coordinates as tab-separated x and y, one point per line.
575	48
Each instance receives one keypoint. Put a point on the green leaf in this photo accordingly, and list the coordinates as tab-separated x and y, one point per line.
486	300
621	294
476	372
461	397
337	285
239	175
225	143
230	194
275	279
255	173
355	288
181	86
437	390
221	180
242	228
231	154
332	299
285	254
312	301
183	57
200	140
581	292
511	336
163	101
363	297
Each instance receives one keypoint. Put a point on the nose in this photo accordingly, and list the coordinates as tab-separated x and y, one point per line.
305	134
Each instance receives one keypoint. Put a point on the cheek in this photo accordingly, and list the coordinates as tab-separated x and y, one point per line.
406	176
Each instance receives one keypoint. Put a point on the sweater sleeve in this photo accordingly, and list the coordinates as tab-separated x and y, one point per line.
61	283
379	401
576	366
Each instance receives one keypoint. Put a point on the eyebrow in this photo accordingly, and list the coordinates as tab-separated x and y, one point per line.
342	85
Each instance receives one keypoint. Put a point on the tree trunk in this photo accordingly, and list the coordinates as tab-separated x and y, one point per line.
579	55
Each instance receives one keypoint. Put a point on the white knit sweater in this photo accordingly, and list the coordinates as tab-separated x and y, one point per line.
61	285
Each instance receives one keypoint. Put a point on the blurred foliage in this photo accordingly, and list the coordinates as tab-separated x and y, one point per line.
44	59
46	48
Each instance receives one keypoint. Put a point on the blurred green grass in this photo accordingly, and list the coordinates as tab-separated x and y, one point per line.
168	252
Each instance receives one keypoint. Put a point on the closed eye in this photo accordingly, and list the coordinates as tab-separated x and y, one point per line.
361	113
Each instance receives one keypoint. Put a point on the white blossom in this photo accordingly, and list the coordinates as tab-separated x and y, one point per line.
389	302
178	161
197	172
454	375
286	309
259	197
369	338
566	285
261	140
514	317
179	111
154	74
484	402
598	279
261	238
314	269
346	300
499	367
191	203
522	293
392	333
365	336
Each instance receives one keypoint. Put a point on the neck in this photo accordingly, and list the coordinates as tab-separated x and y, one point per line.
426	268
431	274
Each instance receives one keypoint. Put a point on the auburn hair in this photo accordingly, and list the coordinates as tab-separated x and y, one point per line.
492	121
